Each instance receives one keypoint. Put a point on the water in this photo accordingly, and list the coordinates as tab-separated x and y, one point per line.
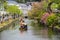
33	33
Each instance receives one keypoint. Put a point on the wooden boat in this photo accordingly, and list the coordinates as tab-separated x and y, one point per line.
23	28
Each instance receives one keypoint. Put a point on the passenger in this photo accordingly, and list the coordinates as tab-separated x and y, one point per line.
21	19
21	24
25	26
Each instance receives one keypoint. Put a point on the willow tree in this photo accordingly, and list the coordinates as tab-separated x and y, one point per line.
13	10
50	2
38	10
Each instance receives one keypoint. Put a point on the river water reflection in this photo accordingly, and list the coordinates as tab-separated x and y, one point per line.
33	33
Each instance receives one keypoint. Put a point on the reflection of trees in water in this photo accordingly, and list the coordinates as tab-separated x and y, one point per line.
41	31
12	26
50	33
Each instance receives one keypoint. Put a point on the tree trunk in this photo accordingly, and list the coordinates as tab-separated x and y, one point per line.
49	7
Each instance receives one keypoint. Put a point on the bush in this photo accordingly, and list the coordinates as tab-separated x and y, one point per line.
51	19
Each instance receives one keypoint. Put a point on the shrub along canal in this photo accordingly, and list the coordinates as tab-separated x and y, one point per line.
34	32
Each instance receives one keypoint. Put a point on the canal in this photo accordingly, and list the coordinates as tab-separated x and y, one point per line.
33	33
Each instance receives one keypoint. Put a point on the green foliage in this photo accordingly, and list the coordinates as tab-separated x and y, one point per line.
41	13
5	5
38	10
58	6
13	9
56	1
57	14
54	6
51	19
36	14
45	4
19	11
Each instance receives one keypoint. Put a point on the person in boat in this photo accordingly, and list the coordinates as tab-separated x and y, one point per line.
23	25
21	19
